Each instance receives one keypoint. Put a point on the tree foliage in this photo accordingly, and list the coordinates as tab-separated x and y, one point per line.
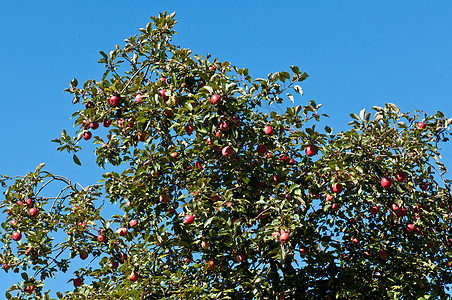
220	200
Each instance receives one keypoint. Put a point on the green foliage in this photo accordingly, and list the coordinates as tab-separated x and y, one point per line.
270	222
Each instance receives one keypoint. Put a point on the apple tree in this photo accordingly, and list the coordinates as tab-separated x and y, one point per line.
219	200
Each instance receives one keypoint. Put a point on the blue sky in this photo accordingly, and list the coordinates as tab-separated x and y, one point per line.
358	54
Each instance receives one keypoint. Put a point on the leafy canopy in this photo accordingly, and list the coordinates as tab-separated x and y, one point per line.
219	200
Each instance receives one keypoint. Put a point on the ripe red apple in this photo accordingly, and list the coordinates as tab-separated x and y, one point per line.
311	151
162	93
114	101
423	186
395	207
211	69
106	122
189	128
13	222
366	253
268	130
29	202
198	164
386	183
215	99
16	235
355	241
142	136
174	154
83	254
303	251
240	257
261	149
186	260
383	254
133	223
33	212
87	135
138	98
210	265
205	244
122	231
374	210
337	188
163	198
410	228
77	282
284	237
29	289
94	125
401	212
335	207
133	277
401	176
101	238
227	151
421	125
189	219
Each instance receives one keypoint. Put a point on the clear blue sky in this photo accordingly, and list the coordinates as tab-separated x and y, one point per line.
357	53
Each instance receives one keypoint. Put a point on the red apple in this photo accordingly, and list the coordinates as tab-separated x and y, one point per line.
410	228
215	99
83	255
386	183
423	186
401	176
198	164
284	237
122	231
106	122
337	188
78	282
163	198
374	210
186	260
101	238
138	98
210	265
395	207
16	235
133	223
205	244
162	93
303	251
189	219
335	207
383	254
114	101
311	151
240	257
261	149
94	125
355	241
174	154
87	135
13	222
268	130
29	289
29	202
227	151
189	128
142	136
133	277
401	212
33	212
211	69
114	264
421	125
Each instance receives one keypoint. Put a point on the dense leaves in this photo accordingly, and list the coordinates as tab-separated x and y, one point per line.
219	200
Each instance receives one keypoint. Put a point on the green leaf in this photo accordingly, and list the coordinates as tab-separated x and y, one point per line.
76	160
